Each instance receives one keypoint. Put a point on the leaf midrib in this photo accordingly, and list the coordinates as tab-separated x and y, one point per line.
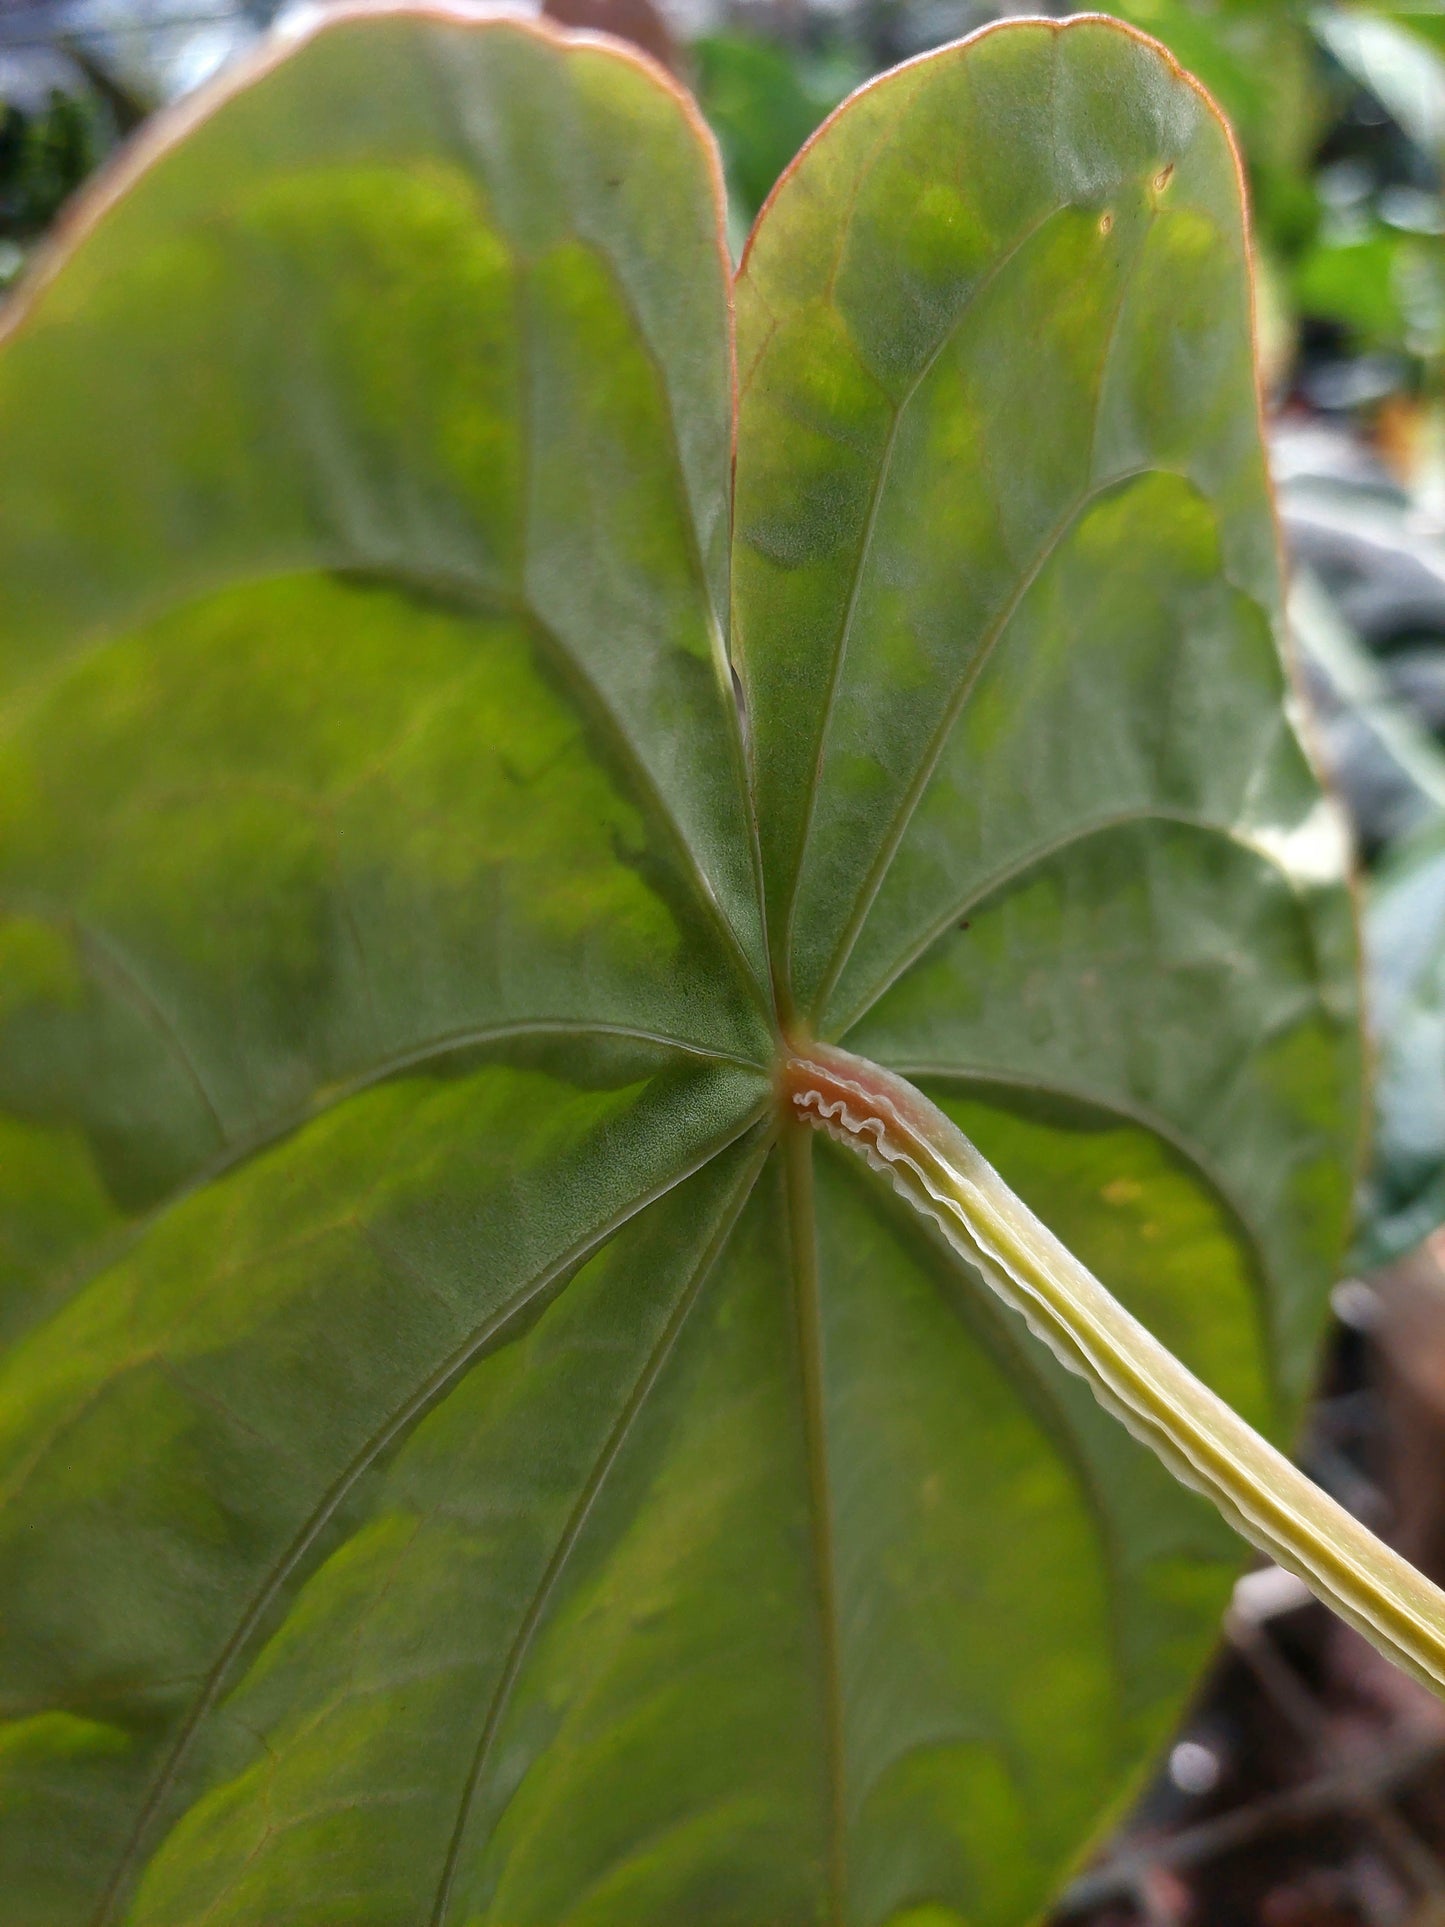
1021	1361
802	1238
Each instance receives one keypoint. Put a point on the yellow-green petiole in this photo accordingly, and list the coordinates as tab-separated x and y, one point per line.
1198	1436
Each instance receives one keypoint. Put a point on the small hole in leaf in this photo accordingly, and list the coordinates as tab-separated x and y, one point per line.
1106	221
1163	178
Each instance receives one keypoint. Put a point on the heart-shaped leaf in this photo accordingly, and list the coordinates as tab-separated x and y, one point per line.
464	1457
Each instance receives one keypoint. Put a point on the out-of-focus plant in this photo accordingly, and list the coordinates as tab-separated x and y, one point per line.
1376	264
763	98
1405	948
45	154
59	120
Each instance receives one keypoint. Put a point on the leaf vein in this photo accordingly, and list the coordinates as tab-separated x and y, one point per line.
577	1520
880	487
396	1424
1030	859
988	642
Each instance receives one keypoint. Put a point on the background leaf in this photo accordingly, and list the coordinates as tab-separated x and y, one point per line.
763	102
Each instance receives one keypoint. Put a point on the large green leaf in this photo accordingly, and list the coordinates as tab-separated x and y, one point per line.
464	1455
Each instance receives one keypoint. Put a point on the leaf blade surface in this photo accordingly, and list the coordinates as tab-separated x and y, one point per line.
375	860
462	1467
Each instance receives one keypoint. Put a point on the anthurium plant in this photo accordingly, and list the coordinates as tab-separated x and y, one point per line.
522	754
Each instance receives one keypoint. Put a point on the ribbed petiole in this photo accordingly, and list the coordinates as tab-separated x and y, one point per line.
1198	1436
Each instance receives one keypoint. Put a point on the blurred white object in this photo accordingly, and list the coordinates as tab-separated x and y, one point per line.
1193	1768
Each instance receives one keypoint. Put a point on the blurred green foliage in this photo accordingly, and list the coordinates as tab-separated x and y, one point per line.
763	99
44	156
